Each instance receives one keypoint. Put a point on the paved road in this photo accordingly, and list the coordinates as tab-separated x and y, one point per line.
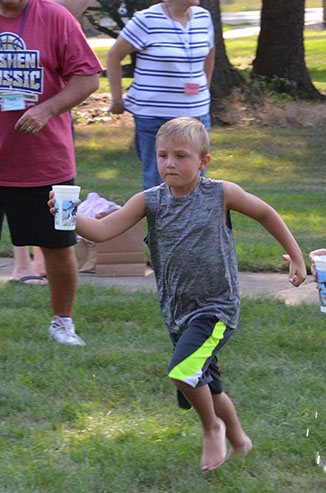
312	16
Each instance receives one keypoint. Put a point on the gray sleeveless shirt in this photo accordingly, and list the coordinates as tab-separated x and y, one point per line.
192	254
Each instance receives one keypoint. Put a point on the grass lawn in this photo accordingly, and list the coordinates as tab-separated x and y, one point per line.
103	418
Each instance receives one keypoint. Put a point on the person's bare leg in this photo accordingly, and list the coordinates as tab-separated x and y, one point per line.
23	266
214	442
62	273
239	440
38	262
22	262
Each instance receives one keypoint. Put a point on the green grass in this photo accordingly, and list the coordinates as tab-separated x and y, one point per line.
103	418
314	53
240	5
241	51
104	83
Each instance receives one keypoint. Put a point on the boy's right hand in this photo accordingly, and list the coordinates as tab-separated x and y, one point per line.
321	251
51	203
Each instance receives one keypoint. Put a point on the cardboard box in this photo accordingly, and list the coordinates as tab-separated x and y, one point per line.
124	255
86	256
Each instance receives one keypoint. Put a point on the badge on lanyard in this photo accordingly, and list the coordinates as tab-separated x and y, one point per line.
191	88
13	102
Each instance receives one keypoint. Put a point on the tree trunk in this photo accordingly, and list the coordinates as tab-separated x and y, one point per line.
225	76
324	14
280	50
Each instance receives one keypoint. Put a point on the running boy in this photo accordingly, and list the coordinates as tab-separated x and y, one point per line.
193	256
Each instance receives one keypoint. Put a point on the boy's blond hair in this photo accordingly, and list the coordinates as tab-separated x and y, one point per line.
188	130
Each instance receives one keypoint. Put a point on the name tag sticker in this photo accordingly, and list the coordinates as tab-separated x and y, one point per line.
13	102
191	88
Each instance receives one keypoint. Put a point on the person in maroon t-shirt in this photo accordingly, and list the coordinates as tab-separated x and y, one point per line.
47	68
27	270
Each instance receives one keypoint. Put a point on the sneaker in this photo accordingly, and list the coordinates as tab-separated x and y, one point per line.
62	330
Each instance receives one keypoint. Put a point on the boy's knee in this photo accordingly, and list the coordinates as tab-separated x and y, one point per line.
175	381
181	385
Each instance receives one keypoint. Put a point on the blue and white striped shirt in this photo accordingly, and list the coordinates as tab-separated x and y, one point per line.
169	56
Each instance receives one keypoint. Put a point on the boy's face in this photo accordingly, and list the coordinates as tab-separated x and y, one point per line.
179	164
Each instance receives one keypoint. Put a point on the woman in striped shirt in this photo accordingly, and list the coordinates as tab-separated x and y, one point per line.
174	41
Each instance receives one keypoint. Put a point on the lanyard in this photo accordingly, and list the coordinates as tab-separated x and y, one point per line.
187	46
24	18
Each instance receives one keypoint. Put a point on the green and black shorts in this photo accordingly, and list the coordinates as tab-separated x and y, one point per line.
194	359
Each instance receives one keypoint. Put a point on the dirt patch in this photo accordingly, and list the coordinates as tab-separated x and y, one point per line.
95	109
238	110
235	110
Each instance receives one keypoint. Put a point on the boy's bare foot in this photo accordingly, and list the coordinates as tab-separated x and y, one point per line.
240	450
214	448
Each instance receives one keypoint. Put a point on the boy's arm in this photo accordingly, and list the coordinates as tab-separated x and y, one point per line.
235	198
112	225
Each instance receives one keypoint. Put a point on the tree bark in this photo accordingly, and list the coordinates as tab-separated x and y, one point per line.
324	14
280	49
225	76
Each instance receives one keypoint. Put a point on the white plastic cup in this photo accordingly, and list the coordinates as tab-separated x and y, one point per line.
320	263
66	203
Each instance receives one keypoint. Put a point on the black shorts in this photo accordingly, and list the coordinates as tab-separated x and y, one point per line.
29	218
194	358
2	213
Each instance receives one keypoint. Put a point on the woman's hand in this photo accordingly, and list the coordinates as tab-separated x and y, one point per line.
117	108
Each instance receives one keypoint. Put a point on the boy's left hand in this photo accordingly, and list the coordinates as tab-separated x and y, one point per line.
297	271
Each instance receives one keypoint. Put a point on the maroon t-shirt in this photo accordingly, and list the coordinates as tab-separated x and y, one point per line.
37	58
